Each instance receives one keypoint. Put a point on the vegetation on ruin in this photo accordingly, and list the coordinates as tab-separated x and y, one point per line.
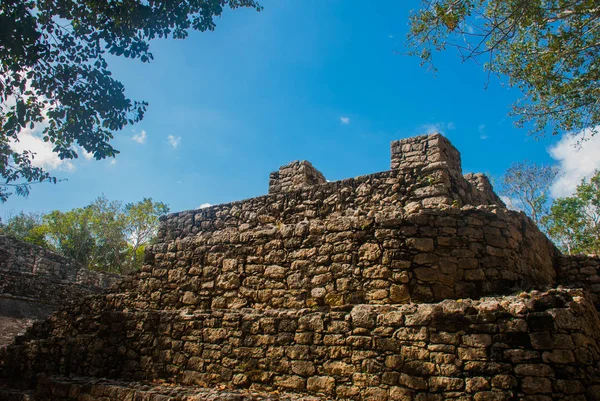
105	235
574	221
54	76
528	185
547	49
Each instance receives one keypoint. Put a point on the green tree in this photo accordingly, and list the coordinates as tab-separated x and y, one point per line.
70	233
105	235
108	225
54	76
27	227
549	49
526	185
574	222
142	226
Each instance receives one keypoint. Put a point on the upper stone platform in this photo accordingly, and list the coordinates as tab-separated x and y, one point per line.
420	232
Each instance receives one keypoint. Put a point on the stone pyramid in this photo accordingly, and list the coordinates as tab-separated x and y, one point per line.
411	284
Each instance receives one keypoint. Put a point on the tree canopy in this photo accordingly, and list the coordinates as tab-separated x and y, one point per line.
54	76
574	221
104	235
526	185
549	49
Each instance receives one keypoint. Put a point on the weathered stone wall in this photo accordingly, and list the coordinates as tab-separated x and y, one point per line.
531	345
481	189
36	273
405	191
368	288
60	388
425	150
35	281
22	257
293	176
386	257
580	271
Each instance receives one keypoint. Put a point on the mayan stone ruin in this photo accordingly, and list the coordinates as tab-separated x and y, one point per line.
34	282
415	283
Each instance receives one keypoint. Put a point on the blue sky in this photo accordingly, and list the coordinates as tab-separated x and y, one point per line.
324	81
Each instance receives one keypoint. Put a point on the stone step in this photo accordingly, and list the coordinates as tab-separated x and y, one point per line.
56	388
537	342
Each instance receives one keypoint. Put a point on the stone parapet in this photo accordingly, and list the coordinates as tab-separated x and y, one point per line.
482	192
428	187
294	176
421	151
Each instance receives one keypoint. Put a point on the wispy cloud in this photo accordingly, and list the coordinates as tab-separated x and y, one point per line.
434	128
482	132
345	120
204	206
174	141
87	155
512	203
575	162
44	156
140	138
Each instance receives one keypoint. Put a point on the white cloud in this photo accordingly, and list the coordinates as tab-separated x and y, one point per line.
44	156
482	133
575	162
140	138
112	162
436	128
512	203
174	141
204	206
345	120
87	155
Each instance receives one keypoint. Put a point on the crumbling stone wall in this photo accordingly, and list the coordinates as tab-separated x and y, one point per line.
425	150
502	348
22	257
580	271
386	258
35	281
413	187
295	175
399	285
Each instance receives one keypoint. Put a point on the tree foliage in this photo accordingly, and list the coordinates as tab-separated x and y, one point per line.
574	222
70	234
26	227
549	49
105	235
54	75
526	185
142	226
